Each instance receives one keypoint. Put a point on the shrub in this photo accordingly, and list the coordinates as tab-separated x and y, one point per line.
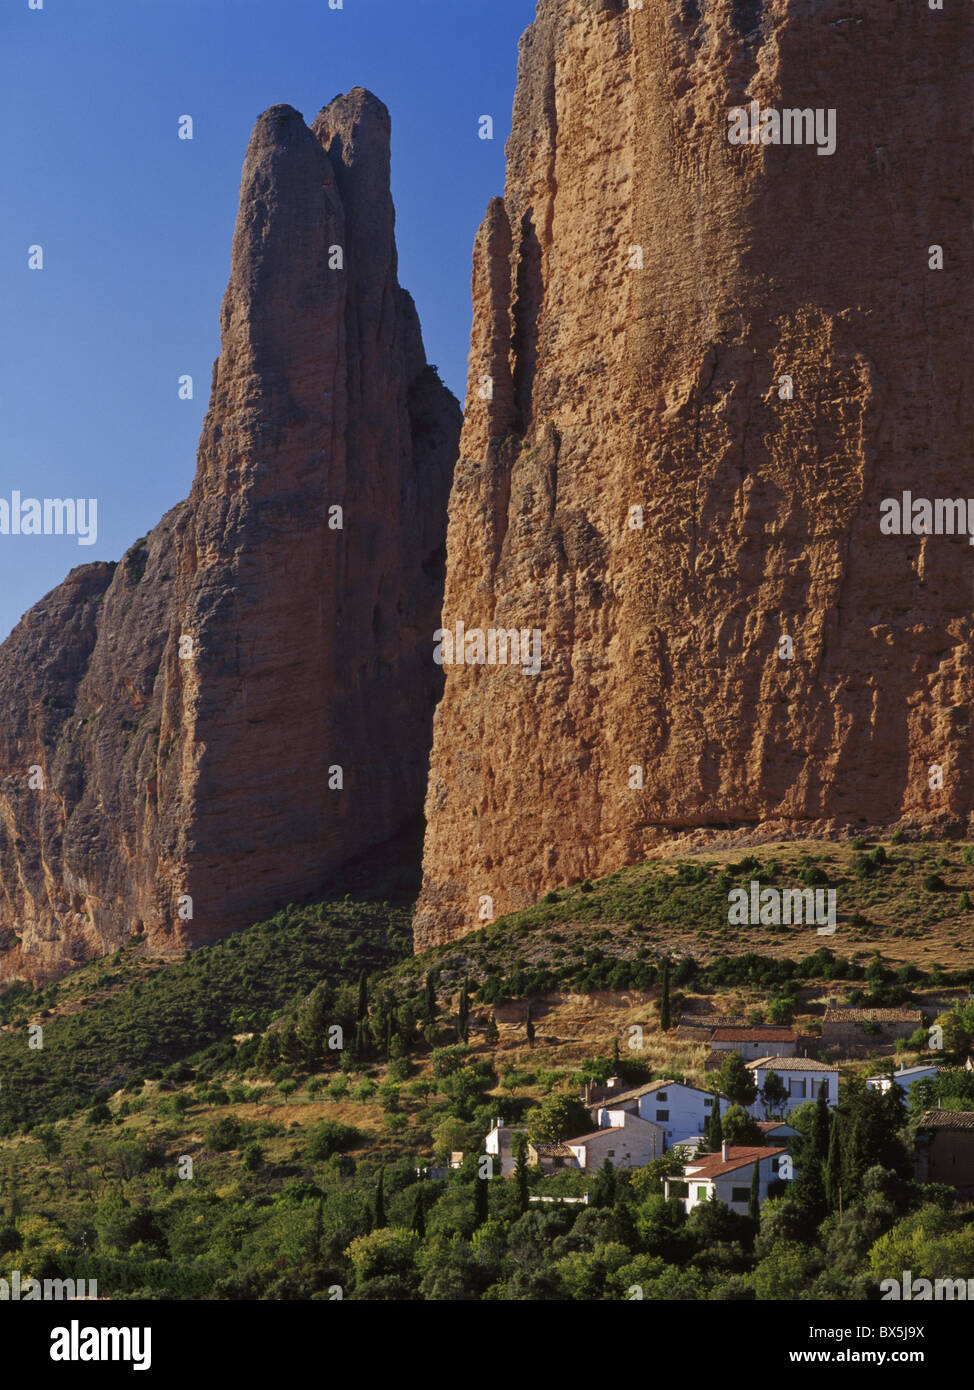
223	1134
933	883
329	1138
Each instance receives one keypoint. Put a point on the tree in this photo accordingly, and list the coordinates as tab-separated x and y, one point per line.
529	1027
715	1127
558	1117
754	1199
492	1032
521	1172
735	1081
451	1135
774	1094
664	1003
418	1221
363	997
833	1170
379	1208
821	1129
50	1141
463	1014
429	997
480	1210
604	1187
740	1129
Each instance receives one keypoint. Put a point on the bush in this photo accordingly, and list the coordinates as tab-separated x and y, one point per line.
933	883
329	1138
223	1134
253	1157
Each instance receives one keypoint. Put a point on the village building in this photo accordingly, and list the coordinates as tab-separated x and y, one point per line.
500	1144
859	1030
755	1042
682	1111
727	1176
623	1138
701	1027
802	1078
777	1131
944	1150
907	1077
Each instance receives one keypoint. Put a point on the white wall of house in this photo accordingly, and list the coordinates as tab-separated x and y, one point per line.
500	1145
905	1079
631	1146
801	1086
732	1188
750	1050
681	1111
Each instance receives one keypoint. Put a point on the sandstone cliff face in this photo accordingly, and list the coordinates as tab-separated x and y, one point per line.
187	708
640	294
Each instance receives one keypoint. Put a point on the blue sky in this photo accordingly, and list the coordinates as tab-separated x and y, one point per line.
136	224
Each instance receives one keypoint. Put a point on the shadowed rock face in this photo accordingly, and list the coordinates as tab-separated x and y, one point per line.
188	707
639	295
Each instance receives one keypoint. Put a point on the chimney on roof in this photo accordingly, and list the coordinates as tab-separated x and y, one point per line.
723	1151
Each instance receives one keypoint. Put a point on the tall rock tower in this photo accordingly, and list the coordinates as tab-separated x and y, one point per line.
245	701
700	366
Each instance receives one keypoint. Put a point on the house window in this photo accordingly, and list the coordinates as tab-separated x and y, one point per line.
796	1088
817	1086
610	1153
662	1114
774	1165
708	1103
559	1163
661	1095
701	1194
740	1194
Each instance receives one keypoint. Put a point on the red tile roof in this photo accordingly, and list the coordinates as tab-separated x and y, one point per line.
595	1134
789	1064
754	1035
947	1119
713	1166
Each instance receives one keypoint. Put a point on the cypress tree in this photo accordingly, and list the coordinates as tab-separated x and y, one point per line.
480	1210
852	1156
833	1168
418	1223
492	1035
529	1027
754	1200
379	1211
463	1014
664	1003
604	1190
715	1136
429	998
821	1128
363	996
521	1173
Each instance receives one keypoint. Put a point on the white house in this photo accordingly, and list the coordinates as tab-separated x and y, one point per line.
802	1078
777	1131
622	1137
681	1111
755	1042
500	1145
905	1077
726	1177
